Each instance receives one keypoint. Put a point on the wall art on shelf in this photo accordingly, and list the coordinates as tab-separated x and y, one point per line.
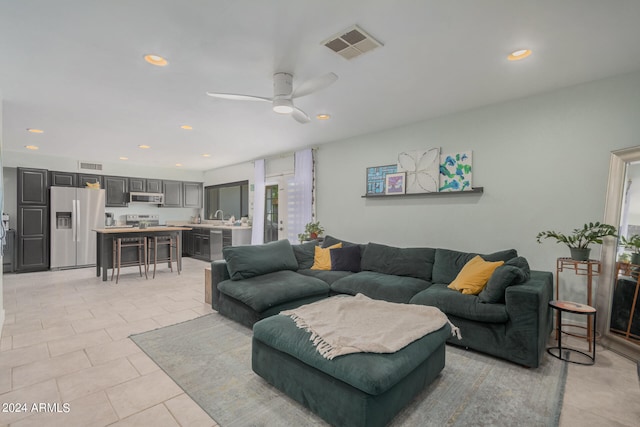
395	183
456	171
422	168
376	178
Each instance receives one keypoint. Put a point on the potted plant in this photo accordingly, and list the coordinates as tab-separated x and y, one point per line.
632	243
312	230
580	239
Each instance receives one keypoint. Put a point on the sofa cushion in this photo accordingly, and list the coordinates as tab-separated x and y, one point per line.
474	276
448	263
380	286
322	257
411	262
457	304
271	289
327	276
248	261
345	259
514	271
304	253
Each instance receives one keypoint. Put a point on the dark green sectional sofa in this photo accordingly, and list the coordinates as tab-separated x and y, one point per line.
509	319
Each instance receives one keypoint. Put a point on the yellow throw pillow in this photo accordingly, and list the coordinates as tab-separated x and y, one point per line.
322	257
474	276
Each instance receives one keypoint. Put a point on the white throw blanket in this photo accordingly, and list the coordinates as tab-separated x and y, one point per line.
343	324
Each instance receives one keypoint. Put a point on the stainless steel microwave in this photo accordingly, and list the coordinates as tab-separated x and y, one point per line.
151	198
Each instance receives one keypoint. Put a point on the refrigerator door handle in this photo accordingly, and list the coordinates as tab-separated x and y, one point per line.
78	220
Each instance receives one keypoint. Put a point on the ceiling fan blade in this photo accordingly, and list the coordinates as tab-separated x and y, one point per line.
236	97
300	116
314	85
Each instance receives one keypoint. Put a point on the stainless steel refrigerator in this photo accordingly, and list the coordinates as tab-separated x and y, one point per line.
75	212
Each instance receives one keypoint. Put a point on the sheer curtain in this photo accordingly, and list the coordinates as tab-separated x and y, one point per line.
257	231
300	196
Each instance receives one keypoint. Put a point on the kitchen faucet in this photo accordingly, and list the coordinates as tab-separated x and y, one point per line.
215	215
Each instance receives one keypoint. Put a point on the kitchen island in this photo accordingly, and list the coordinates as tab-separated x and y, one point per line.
105	236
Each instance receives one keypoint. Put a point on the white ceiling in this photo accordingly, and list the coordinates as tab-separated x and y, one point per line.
74	68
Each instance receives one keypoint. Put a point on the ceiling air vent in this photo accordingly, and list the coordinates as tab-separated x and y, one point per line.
351	43
89	166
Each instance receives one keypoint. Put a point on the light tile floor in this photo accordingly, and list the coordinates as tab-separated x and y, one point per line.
65	341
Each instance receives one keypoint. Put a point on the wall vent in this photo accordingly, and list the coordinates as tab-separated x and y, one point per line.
351	43
89	166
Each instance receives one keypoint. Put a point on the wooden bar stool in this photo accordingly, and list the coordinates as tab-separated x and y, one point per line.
129	242
155	243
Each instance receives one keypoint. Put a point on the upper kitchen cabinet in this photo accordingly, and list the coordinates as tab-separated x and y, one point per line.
33	186
83	179
154	186
137	185
192	194
63	179
117	188
172	194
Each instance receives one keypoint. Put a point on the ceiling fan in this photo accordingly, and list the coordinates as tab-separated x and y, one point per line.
283	94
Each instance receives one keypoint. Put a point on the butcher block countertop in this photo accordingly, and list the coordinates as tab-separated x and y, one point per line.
112	230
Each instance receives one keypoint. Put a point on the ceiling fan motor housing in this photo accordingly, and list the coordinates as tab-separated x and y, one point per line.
282	85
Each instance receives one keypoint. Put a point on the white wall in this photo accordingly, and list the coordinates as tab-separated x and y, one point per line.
543	162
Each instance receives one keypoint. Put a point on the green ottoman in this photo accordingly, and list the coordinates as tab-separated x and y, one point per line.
361	389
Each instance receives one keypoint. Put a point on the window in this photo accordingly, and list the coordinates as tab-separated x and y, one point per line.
231	198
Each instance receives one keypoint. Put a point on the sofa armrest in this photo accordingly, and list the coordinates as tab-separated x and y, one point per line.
530	318
219	273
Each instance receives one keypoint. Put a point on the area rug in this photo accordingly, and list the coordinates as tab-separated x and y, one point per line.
210	359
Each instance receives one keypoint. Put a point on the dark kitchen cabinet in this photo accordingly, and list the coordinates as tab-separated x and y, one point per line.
33	241
83	179
192	194
8	259
32	234
196	243
117	188
63	179
33	186
154	186
172	194
138	185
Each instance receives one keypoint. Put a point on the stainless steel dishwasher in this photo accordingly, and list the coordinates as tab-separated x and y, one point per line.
215	244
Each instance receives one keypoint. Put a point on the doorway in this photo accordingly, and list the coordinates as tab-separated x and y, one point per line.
275	209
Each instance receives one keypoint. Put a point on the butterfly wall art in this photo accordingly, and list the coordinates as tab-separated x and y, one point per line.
422	168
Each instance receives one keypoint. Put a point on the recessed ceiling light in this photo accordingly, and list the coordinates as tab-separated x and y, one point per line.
144	146
35	130
124	158
179	164
323	117
206	155
30	147
156	60
186	127
519	54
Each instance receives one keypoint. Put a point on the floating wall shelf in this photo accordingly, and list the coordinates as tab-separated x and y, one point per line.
475	190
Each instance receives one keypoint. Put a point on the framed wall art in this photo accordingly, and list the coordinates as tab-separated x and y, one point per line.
422	168
456	171
376	182
395	183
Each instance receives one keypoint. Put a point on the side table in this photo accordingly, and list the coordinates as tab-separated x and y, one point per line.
573	307
589	268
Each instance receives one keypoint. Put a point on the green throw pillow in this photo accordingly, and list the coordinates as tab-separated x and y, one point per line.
448	263
513	272
304	254
410	262
248	261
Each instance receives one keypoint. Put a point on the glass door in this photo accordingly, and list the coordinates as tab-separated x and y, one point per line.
271	201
